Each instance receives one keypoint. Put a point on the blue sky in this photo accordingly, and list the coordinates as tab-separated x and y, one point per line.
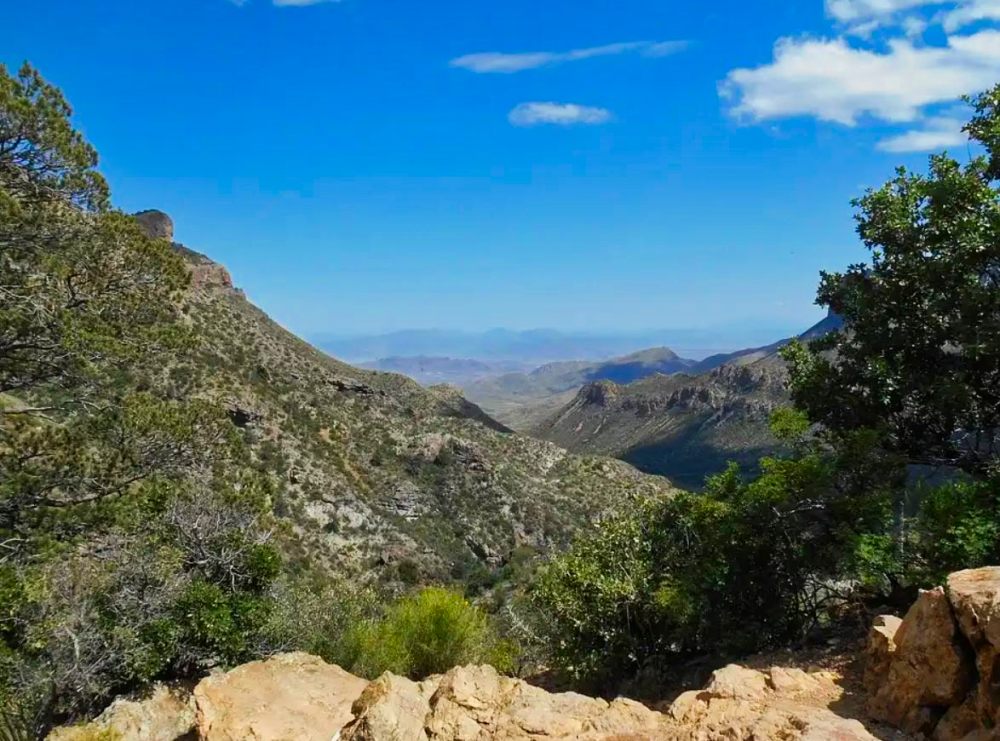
369	165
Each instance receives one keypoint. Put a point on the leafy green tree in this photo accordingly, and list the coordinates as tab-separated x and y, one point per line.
920	362
43	159
745	565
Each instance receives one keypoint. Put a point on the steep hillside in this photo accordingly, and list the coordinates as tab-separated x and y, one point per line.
522	400
684	426
681	426
377	473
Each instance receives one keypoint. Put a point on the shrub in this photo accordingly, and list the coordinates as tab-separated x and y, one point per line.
426	633
957	528
745	566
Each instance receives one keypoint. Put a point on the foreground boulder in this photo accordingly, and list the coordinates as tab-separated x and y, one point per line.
477	703
937	671
745	704
921	667
295	696
167	714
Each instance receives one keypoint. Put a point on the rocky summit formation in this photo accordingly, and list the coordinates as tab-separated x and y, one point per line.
156	224
299	697
936	672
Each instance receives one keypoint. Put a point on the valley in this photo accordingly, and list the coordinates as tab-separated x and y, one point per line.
377	475
666	415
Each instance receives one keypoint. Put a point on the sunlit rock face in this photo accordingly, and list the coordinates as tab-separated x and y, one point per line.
156	224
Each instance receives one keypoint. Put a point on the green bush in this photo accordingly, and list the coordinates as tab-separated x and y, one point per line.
424	634
956	528
747	565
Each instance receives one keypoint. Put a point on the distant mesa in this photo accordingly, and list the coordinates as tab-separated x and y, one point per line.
156	224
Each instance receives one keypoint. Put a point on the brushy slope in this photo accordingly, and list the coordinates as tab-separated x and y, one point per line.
376	474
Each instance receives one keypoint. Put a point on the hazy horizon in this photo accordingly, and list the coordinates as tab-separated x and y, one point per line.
548	344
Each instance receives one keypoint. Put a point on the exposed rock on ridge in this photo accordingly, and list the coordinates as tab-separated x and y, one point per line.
156	224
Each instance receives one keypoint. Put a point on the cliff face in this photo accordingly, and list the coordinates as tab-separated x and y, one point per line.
688	425
681	426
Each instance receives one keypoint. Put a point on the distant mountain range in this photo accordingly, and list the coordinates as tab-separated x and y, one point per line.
521	400
430	371
538	345
665	414
686	425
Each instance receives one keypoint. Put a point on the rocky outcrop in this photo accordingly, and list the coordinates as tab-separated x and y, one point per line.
156	224
295	696
300	697
937	671
745	704
167	714
599	393
919	667
477	704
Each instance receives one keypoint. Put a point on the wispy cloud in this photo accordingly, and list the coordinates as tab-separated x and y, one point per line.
860	11
936	133
562	114
502	63
969	13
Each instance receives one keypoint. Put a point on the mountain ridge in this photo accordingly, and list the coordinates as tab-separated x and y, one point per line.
374	472
688	425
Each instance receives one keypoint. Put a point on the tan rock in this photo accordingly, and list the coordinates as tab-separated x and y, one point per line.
928	668
975	599
958	722
736	682
391	707
294	696
477	703
879	650
168	714
747	705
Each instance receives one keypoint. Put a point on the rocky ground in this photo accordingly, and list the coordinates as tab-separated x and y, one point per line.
933	673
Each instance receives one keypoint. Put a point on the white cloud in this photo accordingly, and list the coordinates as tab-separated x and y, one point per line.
833	81
563	114
935	133
864	16
914	26
969	13
856	11
497	62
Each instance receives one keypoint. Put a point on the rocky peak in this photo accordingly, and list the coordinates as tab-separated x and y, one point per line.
156	224
599	393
